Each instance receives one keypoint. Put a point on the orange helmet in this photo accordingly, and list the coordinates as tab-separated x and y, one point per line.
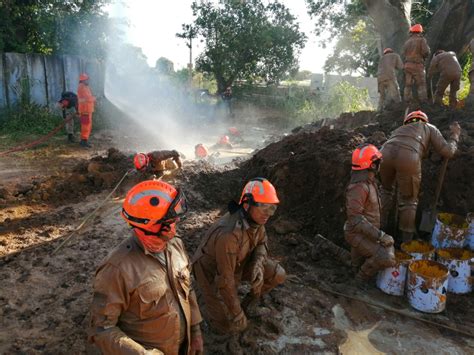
83	77
259	190
141	161
200	151
416	28
364	156
234	131
387	50
416	116
152	203
224	140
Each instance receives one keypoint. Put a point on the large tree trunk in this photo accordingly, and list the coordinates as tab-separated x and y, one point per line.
452	26
392	21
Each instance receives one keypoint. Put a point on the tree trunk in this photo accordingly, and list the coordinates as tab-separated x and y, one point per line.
392	21
452	26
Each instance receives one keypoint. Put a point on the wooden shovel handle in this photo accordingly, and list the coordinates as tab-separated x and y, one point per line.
442	172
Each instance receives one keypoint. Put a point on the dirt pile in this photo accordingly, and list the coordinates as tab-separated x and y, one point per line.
311	168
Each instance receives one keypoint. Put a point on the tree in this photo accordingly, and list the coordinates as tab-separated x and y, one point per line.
244	39
54	27
164	66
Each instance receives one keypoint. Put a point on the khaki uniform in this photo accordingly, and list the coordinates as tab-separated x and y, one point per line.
362	228
401	163
415	51
162	160
224	258
387	81
136	306
448	66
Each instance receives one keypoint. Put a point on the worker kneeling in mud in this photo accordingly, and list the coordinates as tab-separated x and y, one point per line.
235	249
371	249
402	155
158	162
143	301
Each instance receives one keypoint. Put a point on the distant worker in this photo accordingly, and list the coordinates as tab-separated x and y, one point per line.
371	249
86	103
223	143
389	90
447	65
402	155
158	162
227	98
415	51
236	134
201	151
143	301
235	249
68	105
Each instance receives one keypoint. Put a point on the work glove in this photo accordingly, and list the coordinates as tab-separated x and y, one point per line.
385	239
239	323
455	129
256	277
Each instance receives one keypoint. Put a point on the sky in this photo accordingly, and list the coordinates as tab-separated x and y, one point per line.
153	25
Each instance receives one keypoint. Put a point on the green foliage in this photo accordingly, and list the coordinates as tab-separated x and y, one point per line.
55	27
244	39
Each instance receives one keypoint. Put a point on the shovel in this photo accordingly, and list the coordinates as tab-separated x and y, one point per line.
428	218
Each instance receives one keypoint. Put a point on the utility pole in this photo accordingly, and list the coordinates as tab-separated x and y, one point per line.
190	64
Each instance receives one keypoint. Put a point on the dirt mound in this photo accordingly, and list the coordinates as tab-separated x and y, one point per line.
311	168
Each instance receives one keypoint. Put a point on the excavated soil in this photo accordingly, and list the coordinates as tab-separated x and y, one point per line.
45	298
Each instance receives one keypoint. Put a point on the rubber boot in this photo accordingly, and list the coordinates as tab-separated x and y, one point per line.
85	144
70	138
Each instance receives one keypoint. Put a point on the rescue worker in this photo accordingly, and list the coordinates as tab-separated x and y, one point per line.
227	99
143	302
86	108
447	65
415	51
68	105
235	133
223	143
235	249
402	155
201	151
158	161
371	249
387	80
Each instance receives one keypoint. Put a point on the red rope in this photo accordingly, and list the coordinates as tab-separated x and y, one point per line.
36	142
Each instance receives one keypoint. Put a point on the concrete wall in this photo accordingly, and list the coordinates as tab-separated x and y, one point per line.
41	79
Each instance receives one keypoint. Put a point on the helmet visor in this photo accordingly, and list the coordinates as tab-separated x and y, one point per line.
177	209
267	208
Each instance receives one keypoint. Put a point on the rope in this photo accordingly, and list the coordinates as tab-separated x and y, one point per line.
36	142
90	215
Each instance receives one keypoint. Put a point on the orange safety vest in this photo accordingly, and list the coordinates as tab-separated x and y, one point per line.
85	98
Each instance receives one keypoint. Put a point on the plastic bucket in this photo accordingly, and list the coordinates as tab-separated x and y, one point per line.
470	231
418	249
392	280
427	286
458	262
450	231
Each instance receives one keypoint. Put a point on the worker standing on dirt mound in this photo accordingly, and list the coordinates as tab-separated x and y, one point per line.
415	51
447	65
387	80
158	162
143	300
371	249
235	249
86	103
402	155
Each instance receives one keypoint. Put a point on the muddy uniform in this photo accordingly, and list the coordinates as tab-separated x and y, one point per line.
162	160
402	155
136	306
227	255
448	66
387	81
362	228
415	51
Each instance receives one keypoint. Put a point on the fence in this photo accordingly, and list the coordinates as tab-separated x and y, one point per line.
41	79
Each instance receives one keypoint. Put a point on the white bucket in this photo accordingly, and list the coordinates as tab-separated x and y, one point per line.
427	286
458	262
470	231
419	249
392	280
450	231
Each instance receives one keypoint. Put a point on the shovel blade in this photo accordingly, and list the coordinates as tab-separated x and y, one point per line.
428	220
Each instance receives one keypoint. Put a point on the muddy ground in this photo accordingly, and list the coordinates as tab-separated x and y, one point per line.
47	192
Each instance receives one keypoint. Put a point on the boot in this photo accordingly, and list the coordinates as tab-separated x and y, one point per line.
85	144
70	138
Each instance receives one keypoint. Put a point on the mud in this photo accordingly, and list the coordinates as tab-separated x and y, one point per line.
45	298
